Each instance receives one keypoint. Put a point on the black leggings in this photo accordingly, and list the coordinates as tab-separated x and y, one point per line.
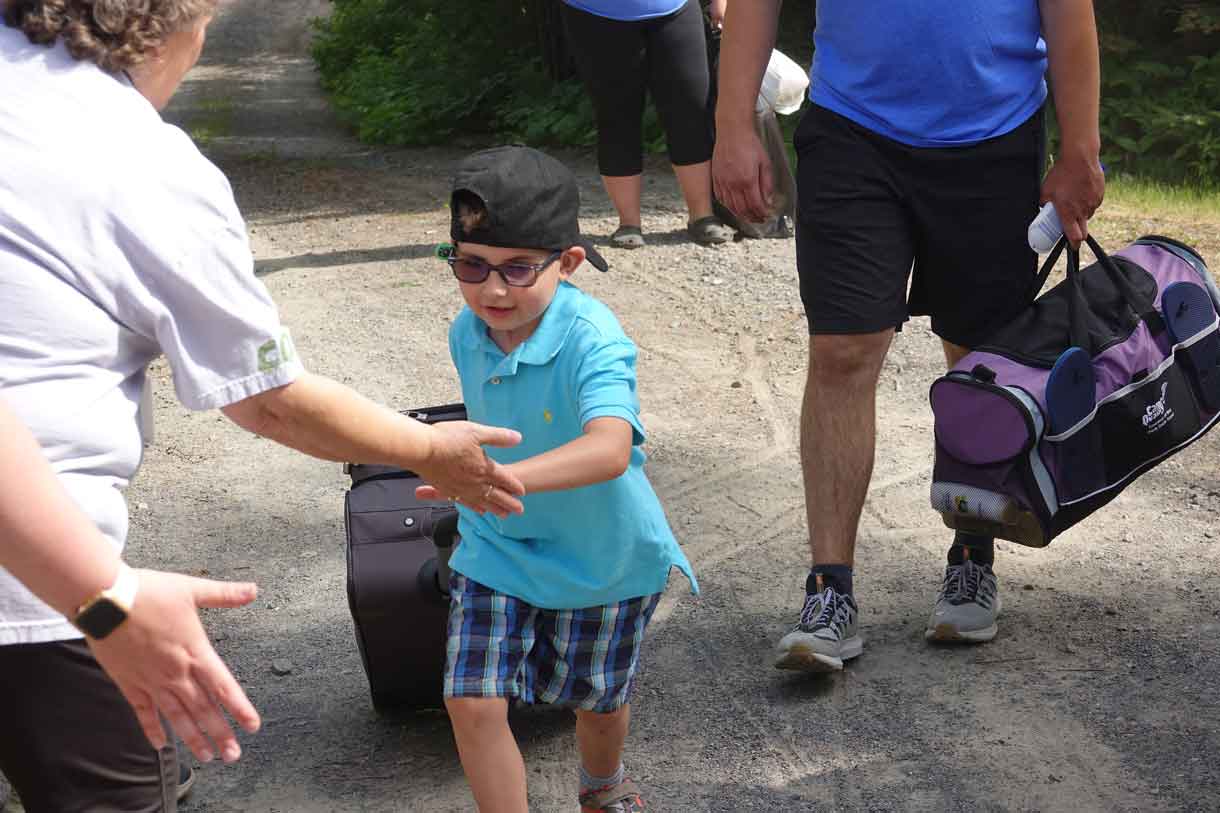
619	60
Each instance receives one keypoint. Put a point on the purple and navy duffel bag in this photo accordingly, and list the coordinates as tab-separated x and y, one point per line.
1100	379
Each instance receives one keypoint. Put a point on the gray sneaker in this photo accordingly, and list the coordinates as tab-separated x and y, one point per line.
966	607
824	637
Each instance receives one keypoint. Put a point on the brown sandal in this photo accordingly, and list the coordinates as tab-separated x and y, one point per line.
620	798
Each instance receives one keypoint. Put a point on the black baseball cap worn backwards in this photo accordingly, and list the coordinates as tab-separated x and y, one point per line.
531	200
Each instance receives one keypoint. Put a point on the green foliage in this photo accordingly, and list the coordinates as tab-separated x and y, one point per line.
1188	203
1160	100
442	72
405	76
549	113
437	71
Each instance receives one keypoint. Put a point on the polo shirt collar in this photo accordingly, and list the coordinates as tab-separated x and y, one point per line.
547	340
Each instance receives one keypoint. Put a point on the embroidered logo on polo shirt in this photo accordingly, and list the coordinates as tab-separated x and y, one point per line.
547	416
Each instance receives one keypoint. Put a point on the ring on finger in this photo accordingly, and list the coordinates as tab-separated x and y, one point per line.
487	493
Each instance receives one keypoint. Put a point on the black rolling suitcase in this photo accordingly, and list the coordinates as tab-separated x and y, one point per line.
398	578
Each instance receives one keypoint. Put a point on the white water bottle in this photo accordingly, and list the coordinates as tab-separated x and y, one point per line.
1045	230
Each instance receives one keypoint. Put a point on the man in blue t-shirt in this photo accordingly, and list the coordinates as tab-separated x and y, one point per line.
920	159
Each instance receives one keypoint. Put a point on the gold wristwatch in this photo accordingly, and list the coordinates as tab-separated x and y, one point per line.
102	614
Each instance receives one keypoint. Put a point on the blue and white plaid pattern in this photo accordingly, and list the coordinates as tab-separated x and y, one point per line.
500	646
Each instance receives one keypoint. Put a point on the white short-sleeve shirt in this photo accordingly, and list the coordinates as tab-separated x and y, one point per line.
119	242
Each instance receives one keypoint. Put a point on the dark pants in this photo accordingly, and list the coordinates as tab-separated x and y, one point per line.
70	742
619	61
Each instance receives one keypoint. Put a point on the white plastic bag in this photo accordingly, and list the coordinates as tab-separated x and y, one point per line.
783	86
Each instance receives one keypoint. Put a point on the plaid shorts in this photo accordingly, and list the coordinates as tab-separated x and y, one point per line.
500	646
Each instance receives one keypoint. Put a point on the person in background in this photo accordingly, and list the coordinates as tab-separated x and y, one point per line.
622	50
119	242
921	159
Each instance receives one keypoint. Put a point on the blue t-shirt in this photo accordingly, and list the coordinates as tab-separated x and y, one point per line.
628	10
581	547
930	74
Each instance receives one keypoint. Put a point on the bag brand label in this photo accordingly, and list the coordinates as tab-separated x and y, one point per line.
1157	414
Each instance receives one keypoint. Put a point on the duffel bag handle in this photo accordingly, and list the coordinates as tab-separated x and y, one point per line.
1141	306
1044	273
1079	313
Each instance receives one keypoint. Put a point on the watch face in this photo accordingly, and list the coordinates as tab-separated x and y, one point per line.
100	618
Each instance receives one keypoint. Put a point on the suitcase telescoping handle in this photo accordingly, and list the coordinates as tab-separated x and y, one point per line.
1080	314
444	536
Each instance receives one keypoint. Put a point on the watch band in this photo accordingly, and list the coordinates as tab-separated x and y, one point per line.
123	591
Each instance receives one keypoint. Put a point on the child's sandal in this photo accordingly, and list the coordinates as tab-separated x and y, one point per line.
620	798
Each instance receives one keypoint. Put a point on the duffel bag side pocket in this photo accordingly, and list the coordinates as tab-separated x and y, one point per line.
1191	318
984	480
1073	444
1139	425
1146	421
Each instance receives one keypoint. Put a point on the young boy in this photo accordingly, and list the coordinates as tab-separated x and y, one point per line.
551	605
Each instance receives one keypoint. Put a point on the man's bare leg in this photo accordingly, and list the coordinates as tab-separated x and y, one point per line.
968	603
838	438
953	353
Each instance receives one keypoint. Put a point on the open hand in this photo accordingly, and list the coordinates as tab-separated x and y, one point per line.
164	664
459	469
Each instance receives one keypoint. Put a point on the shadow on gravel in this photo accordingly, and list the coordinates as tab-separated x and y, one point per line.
330	259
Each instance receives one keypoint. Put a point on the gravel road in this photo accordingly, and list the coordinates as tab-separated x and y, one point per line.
1098	694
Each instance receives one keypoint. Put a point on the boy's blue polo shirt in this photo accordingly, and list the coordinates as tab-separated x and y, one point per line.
581	547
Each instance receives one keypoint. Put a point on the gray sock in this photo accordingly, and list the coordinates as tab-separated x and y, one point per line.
589	782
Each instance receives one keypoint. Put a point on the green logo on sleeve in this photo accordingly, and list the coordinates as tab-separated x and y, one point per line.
273	353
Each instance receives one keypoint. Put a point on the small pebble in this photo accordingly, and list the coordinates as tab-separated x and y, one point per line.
281	668
1111	611
737	385
1027	587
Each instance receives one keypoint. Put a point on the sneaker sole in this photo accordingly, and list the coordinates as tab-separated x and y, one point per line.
802	658
949	634
186	784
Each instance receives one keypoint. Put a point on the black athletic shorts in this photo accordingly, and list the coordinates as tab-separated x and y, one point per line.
874	213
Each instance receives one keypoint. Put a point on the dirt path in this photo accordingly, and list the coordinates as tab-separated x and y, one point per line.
1099	693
